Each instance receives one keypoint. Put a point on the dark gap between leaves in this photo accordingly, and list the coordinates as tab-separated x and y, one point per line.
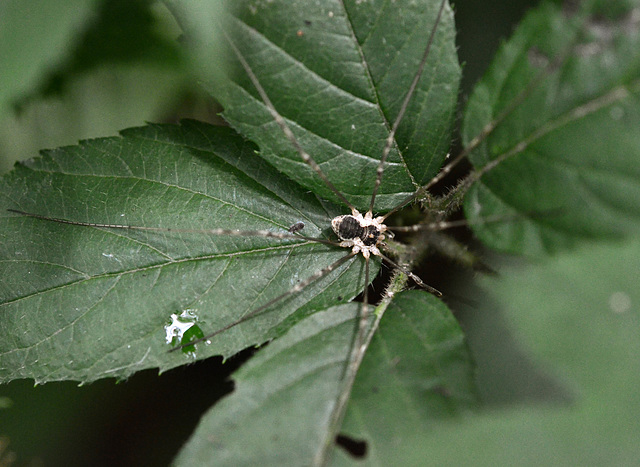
354	447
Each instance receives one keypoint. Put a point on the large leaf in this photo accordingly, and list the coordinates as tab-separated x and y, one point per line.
338	73
84	303
90	302
571	147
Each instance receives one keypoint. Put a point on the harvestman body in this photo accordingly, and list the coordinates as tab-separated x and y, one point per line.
360	233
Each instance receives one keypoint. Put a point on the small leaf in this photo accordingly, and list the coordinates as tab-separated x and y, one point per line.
417	373
33	38
569	152
121	33
281	410
112	64
84	303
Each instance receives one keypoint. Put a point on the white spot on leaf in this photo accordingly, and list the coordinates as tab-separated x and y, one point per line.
179	325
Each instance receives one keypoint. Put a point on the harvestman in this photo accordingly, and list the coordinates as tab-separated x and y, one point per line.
362	233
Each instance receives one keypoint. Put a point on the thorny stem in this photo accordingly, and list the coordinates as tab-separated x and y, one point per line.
396	285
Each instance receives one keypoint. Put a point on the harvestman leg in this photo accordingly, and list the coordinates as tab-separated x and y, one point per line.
226	232
294	290
308	159
484	133
369	215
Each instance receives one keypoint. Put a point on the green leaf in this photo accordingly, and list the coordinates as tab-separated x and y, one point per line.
417	368
84	303
416	373
87	302
338	73
577	315
570	151
282	407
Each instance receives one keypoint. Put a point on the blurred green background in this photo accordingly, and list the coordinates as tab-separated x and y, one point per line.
78	69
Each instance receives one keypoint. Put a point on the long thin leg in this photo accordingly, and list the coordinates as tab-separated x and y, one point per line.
445	225
295	289
226	232
608	99
403	108
487	130
412	276
356	356
304	155
582	111
261	233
